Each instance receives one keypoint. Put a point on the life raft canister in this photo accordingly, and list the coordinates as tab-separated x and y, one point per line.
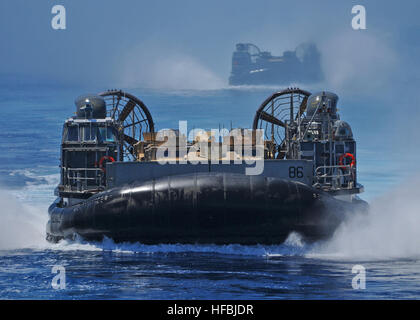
341	159
101	162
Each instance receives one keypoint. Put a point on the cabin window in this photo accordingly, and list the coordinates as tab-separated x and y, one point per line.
73	133
89	133
106	134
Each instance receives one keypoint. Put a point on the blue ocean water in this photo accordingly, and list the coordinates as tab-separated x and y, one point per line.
386	243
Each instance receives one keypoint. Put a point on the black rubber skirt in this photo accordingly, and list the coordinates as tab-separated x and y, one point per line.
218	208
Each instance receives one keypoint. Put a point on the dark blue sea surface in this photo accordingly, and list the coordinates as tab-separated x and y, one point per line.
386	243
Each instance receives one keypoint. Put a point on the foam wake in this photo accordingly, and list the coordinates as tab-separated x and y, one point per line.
23	211
293	246
21	225
391	230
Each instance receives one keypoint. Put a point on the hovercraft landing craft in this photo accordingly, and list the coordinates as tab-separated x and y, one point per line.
113	184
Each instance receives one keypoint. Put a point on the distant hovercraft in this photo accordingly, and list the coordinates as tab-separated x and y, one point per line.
251	66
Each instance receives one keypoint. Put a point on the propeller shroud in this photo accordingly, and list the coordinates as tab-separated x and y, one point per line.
133	116
278	112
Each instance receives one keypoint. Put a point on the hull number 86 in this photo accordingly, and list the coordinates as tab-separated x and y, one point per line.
295	172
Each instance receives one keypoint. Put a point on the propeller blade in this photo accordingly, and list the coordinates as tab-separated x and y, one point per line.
116	107
130	140
302	108
126	110
269	118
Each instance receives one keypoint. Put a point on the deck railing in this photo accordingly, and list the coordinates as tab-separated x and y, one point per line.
332	178
81	179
